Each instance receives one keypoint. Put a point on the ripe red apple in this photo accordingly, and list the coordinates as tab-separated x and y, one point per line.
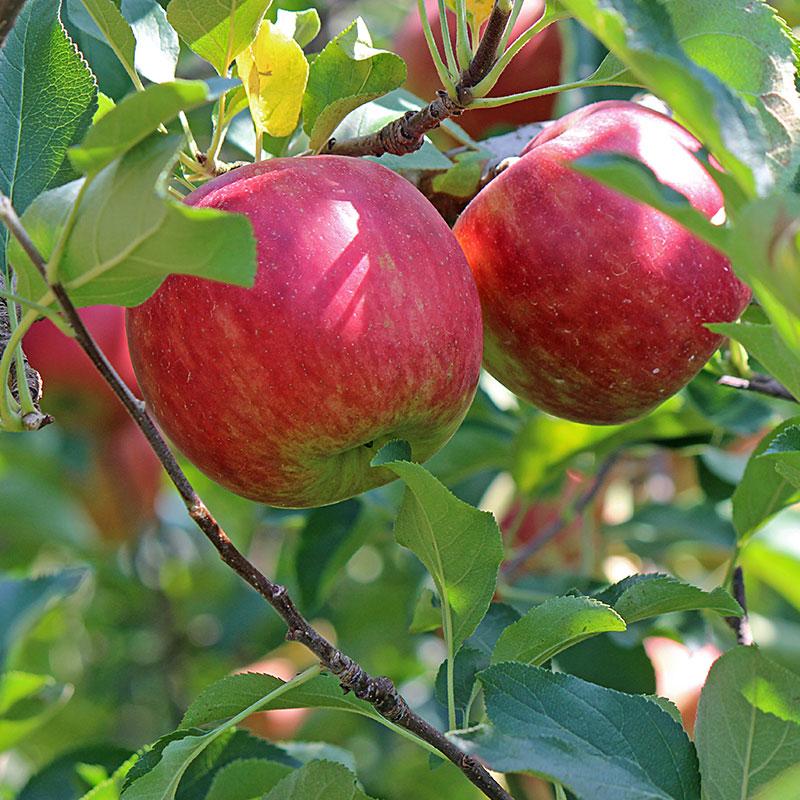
74	391
594	305
122	483
538	65
363	326
681	673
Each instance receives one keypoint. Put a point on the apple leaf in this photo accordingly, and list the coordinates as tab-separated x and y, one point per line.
133	119
25	601
641	34
643	596
217	30
229	696
346	74
246	779
157	45
319	780
775	566
116	30
763	342
784	451
749	48
748	725
637	181
128	237
302	26
26	703
763	492
109	789
49	97
599	743
274	73
554	626
459	545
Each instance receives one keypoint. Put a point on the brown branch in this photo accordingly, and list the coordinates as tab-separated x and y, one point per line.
761	384
513	567
379	692
9	9
740	625
407	134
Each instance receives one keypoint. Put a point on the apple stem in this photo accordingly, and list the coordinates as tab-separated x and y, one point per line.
380	692
407	134
761	384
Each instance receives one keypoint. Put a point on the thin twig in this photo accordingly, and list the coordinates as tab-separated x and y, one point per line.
407	134
740	625
380	692
761	384
515	565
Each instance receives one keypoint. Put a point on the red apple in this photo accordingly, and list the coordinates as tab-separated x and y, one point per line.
594	305
681	673
538	65
363	326
74	391
122	483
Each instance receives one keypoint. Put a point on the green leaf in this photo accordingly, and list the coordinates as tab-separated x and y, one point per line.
49	96
554	626
785	786
784	451
25	601
600	744
302	26
763	342
460	546
319	780
229	696
748	48
329	538
763	492
110	788
748	725
346	74
643	596
134	119
774	567
127	237
116	30
157	45
217	30
26	703
246	779
637	181
641	34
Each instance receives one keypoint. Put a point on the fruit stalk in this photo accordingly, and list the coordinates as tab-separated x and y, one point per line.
380	692
407	134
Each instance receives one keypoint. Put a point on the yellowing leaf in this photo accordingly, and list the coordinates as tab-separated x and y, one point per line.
274	72
478	10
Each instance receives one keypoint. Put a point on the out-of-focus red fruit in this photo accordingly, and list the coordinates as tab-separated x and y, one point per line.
538	65
123	482
681	673
74	391
281	723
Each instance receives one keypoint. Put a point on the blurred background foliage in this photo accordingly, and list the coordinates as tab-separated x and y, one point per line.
157	618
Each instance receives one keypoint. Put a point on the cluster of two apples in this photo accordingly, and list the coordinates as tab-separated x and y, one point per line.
366	322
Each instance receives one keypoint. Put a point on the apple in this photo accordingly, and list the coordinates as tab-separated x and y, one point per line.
595	305
122	483
363	326
681	673
537	65
74	391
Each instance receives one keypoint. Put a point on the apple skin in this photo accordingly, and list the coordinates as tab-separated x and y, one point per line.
681	673
73	390
536	66
594	305
363	326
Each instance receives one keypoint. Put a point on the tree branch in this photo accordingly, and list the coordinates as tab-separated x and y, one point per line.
762	384
513	567
740	625
407	134
380	692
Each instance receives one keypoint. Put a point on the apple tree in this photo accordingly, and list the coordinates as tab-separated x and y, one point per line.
466	333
